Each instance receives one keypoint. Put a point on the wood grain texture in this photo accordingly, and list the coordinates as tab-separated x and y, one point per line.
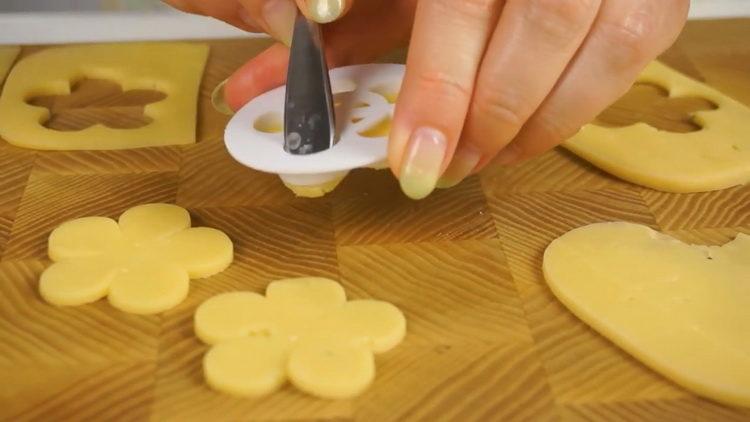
370	209
33	332
50	200
97	101
16	167
209	178
556	171
692	408
143	160
724	208
487	339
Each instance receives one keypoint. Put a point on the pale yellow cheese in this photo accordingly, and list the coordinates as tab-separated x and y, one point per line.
716	157
172	68
314	191
249	366
303	330
8	55
143	264
683	310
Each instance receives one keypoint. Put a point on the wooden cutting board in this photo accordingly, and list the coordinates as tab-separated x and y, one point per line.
487	340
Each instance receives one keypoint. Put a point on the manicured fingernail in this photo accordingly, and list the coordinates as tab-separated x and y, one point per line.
279	16
509	155
218	100
424	158
464	162
324	11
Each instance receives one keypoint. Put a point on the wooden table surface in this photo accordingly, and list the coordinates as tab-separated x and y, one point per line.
486	340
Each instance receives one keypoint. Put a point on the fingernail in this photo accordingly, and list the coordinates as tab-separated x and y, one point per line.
464	161
279	16
324	11
509	155
424	158
218	100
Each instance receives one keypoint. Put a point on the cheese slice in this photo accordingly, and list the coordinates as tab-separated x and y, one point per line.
303	330
683	310
172	68
716	157
8	55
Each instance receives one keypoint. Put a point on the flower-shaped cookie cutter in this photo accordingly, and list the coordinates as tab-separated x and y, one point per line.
143	263
364	97
303	330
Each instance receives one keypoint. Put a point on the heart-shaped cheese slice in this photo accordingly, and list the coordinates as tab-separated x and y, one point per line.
683	310
715	157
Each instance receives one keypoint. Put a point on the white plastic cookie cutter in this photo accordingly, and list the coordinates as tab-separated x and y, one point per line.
364	97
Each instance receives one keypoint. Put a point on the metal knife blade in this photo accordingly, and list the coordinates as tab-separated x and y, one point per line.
309	121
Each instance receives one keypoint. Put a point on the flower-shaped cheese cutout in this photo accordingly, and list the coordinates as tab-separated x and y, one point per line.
364	96
303	330
684	310
715	157
143	263
174	69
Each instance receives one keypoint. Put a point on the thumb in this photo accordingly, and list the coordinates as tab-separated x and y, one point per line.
324	11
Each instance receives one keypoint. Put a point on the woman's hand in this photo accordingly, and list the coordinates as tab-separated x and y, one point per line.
486	80
274	17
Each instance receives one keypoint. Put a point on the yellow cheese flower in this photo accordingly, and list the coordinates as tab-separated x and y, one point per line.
303	330
143	263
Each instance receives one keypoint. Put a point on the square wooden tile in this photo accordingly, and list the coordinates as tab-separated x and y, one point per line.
371	209
50	200
676	410
581	365
555	171
94	334
211	178
274	242
270	243
115	391
6	224
527	223
134	161
15	166
724	208
452	292
459	382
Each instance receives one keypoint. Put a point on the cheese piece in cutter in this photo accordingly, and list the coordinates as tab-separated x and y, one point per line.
174	69
683	310
715	157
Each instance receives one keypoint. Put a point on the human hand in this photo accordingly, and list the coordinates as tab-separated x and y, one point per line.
487	79
274	17
360	34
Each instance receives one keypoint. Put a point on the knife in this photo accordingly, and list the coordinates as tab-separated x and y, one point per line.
309	120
